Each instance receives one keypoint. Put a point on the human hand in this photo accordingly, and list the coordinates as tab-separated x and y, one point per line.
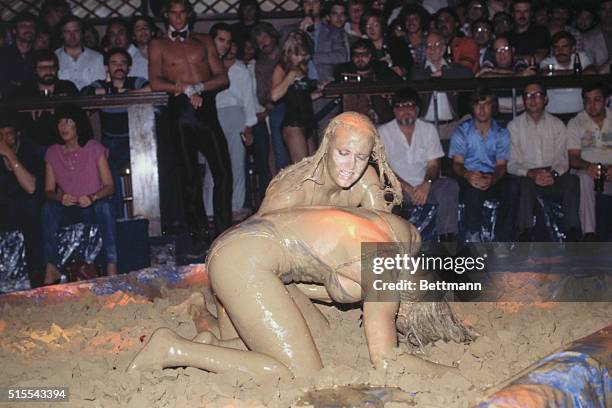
437	74
306	22
421	192
485	181
196	101
592	171
262	115
5	150
529	71
483	71
69	200
85	201
179	87
544	178
473	177
247	136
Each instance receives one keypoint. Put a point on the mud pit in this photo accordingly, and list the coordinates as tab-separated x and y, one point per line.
87	344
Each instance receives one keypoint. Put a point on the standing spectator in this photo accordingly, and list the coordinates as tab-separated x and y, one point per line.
17	58
480	149
91	37
237	116
475	10
527	38
538	156
114	121
39	125
141	28
266	39
590	143
77	176
20	173
291	84
414	152
332	47
565	102
117	30
390	50
415	20
464	50
4	34
367	69
560	20
249	13
78	63
586	18
356	8
502	24
436	66
598	41
43	37
52	12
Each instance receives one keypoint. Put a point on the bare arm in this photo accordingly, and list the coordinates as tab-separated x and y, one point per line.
218	75
106	177
25	179
380	331
281	81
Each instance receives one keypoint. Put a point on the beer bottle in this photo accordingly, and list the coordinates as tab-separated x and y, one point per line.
577	65
600	181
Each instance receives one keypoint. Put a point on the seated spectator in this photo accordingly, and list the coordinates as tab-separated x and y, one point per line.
560	20
114	121
415	20
77	63
20	171
463	50
480	149
586	19
249	13
355	9
16	66
39	125
598	41
538	157
436	66
141	28
414	152
590	144
502	24
528	38
391	50
364	68
91	37
292	86
565	103
482	33
77	176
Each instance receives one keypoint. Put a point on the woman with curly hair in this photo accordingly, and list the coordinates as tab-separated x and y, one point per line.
291	85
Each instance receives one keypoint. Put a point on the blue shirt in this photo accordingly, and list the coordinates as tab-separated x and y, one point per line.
480	154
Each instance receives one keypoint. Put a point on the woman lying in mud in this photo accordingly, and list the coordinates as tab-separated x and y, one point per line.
297	237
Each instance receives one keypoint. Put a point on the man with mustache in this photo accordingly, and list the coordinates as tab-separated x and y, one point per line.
16	66
414	151
115	128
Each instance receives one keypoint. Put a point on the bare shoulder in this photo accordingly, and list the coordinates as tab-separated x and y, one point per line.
370	177
202	38
160	42
278	198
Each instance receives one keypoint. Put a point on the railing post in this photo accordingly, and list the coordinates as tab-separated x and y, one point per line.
513	103
144	165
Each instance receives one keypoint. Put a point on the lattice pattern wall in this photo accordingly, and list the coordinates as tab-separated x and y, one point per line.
103	9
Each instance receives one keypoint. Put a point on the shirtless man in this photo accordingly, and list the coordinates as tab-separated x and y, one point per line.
186	65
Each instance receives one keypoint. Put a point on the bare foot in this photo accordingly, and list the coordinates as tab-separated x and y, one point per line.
155	352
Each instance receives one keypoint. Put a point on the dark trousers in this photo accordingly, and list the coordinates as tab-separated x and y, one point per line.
506	191
445	194
24	215
260	152
566	187
199	131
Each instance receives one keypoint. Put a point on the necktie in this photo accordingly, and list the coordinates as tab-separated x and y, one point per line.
183	34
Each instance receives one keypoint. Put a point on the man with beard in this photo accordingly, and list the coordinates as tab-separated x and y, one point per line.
186	65
142	33
414	151
364	68
39	126
598	41
114	121
16	66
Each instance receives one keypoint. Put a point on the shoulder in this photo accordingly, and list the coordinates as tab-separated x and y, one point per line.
554	121
463	128
95	147
387	128
52	152
92	54
426	127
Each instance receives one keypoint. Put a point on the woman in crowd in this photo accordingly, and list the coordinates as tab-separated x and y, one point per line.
291	85
391	50
77	176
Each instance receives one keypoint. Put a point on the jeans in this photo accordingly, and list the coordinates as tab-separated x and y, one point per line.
280	150
99	213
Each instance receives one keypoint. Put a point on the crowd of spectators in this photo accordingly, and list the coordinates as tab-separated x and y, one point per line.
553	142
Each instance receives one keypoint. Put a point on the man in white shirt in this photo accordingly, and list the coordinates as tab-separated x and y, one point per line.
414	151
589	144
78	63
566	102
538	156
236	111
142	34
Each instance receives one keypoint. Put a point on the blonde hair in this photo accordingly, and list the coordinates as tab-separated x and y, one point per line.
296	43
311	168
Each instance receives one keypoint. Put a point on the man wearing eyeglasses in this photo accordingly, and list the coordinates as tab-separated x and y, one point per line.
414	152
538	156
